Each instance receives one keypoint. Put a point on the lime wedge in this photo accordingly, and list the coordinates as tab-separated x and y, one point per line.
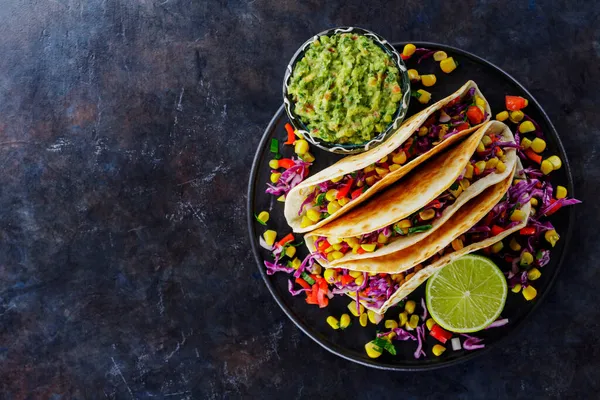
467	295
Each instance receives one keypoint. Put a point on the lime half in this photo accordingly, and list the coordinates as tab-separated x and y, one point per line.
467	295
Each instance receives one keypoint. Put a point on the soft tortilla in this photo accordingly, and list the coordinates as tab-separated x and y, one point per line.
357	162
414	192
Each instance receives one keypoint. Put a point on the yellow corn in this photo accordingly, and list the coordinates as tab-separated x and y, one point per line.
427	214
382	171
403	318
337	246
514	245
313	215
480	102
373	351
308	157
281	198
423	131
534	201
428	80
381	238
337	255
526	126
464	183
330	275
398	277
438	349
409	50
517	215
389	336
359	281
561	193
305	222
343	201
374	317
448	65
333	322
481	147
526	259
330	195
500	167
275	177
329	249
371	180
486	140
413	75
409	276
456	192
516	288
290	251
430	323
363	319
480	165
394	167
301	147
555	161
533	274
491	163
263	216
330	257
335	240
496	247
274	164
424	96
551	237
502	116
529	293
355	274
499	152
546	167
270	236
538	145
390	324
368	247
353	310
457	244
516	116
440	55
469	171
410	306
352	241
370	168
344	321
384	159
333	207
413	322
317	269
525	143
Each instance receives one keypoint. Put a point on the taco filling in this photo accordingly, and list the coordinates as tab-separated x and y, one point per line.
328	197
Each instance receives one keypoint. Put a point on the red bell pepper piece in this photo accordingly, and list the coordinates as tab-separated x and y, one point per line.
440	333
463	126
288	238
346	279
290	133
322	298
514	103
321	282
475	115
361	250
496	230
436	204
324	245
527	231
453	102
343	192
286	163
404	57
357	193
536	158
303	283
555	206
311	296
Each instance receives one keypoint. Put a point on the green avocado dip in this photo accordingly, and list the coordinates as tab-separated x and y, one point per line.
345	89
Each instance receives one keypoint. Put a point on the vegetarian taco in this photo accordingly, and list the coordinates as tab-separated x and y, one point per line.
339	188
418	205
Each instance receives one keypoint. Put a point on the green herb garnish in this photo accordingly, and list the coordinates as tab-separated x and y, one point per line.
384	344
308	279
260	221
422	228
320	199
415	94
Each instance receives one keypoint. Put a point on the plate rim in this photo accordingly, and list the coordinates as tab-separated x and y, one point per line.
337	349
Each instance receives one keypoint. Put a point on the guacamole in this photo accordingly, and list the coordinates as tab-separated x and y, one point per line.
345	89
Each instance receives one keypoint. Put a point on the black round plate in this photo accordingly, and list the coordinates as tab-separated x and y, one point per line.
349	344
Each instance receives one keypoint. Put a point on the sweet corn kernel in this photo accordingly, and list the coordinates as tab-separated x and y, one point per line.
525	143
345	321
313	215
496	247
359	281
413	322
337	255
480	167
353	310
517	215
561	192
480	102
555	161
373	351
355	274
343	201
448	65
427	214
464	183
457	244
424	96
370	168
381	238
438	349
409	50
305	222
486	140
430	323
301	147
369	247
502	116
491	163
307	157
533	274
529	293
516	288
546	167
330	257
270	236
333	207
382	171
290	251
410	306
384	159
390	324
389	336
275	177
440	55
526	259
500	167
428	80
370	180
516	116
274	164
413	75
330	275
263	216
403	318
499	152
374	317
456	192
526	126
281	198
394	167
534	201
408	276
469	171
514	245
317	269
398	277
352	241
329	249
333	322
423	131
480	147
337	246
363	319
330	195
551	237
538	145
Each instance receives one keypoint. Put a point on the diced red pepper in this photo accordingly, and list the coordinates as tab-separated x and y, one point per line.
508	258
463	126
324	245
436	204
288	238
361	250
440	333
321	282
527	231
303	283
514	103
357	193
290	134
496	230
346	279
536	158
475	115
311	296
453	102
487	221
404	57
286	163
343	192
322	298
554	207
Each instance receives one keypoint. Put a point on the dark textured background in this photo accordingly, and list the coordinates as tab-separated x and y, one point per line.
127	130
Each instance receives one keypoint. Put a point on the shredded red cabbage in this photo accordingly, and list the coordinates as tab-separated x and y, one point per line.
472	342
290	178
498	323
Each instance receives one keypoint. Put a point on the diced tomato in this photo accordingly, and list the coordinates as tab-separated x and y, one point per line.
324	245
343	192
463	126
496	230
361	250
514	103
357	193
303	283
475	115
453	102
527	231
286	163
536	158
440	333
322	298
290	134
321	282
346	279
